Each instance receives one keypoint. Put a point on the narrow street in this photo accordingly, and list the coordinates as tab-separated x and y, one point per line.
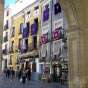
7	83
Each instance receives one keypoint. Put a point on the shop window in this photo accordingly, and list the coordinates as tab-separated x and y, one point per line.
34	67
5	63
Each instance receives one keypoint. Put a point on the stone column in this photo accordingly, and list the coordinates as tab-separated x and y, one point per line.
1	28
78	57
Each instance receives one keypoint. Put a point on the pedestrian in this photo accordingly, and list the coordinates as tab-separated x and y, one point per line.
29	74
7	72
20	73
12	74
24	77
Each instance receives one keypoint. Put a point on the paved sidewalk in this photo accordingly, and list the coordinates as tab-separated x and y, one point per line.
7	83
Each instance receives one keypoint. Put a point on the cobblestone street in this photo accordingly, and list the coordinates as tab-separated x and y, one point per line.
7	83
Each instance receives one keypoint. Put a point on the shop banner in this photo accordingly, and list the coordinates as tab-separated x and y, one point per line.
46	14
57	8
44	38
56	35
25	33
34	28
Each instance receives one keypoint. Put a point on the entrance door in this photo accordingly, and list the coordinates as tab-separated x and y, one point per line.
57	73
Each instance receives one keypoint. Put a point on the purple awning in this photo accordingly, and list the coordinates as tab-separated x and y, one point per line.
46	14
25	33
57	8
34	28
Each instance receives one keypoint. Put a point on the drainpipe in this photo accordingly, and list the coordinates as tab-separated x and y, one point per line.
51	15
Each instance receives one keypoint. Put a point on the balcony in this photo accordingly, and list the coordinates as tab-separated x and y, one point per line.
6	27
36	12
5	38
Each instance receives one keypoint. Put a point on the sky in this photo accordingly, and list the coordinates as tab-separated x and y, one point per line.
7	2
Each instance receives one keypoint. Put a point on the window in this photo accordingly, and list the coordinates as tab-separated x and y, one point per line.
12	45
7	24
20	43
36	8
10	62
28	13
17	62
26	42
7	13
34	42
28	26
13	32
21	28
6	47
6	36
36	20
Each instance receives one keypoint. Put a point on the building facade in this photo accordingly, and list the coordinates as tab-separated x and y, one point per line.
23	37
37	40
53	50
6	33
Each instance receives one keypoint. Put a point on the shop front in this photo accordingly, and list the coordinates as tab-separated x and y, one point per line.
30	60
57	72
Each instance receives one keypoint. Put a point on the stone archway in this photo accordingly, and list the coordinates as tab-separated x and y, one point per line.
77	34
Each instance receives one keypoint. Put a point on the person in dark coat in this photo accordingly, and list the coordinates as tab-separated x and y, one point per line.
7	73
24	77
20	73
12	73
29	74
